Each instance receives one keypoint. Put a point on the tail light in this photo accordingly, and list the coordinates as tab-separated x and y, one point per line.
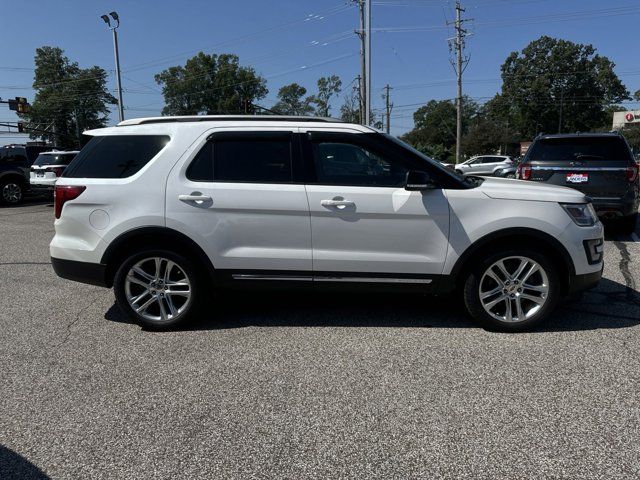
523	172
632	173
64	193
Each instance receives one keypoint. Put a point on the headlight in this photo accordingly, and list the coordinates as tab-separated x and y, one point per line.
583	214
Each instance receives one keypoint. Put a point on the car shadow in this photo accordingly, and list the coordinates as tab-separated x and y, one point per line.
28	202
605	307
15	467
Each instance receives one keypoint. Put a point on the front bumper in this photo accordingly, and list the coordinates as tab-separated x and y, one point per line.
579	283
83	272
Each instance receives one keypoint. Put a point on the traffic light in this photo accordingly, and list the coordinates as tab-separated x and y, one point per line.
19	104
20	127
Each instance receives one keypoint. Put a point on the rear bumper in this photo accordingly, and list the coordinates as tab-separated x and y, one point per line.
579	283
612	207
83	272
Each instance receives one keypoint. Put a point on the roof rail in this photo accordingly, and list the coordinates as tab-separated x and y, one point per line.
228	118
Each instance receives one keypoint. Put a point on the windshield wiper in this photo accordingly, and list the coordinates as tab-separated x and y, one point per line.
596	157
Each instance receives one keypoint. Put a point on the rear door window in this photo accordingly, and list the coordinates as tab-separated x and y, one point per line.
115	156
579	149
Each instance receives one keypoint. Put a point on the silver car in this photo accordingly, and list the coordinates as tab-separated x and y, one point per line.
485	165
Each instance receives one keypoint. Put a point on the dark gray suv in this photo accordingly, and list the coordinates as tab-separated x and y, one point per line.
601	165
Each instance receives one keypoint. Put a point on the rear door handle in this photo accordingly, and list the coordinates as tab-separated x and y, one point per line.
337	203
194	198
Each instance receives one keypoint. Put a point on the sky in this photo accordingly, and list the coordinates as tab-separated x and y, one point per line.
301	40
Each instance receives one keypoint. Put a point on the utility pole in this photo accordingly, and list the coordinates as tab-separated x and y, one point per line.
114	29
389	108
363	67
367	59
459	65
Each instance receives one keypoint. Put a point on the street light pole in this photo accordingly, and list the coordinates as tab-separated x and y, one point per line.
114	30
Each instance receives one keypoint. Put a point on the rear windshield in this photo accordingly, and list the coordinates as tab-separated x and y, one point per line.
54	159
579	149
117	156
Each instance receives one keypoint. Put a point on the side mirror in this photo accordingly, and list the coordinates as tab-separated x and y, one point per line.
417	180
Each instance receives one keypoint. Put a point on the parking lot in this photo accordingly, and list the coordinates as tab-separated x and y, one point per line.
316	386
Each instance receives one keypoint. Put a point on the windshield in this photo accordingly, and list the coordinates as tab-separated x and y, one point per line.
579	149
430	160
54	159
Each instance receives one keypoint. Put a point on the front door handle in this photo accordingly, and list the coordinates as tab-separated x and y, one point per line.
337	203
194	198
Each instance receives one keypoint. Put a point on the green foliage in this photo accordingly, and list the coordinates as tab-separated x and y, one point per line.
327	88
68	99
556	85
435	127
292	101
210	84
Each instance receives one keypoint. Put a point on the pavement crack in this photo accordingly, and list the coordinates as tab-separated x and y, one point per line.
76	320
629	280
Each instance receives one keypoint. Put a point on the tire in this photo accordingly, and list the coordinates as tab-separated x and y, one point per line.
508	292
11	191
627	225
459	171
497	173
140	282
510	175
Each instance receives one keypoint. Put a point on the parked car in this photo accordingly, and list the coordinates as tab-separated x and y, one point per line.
15	161
510	171
485	165
600	165
48	167
166	209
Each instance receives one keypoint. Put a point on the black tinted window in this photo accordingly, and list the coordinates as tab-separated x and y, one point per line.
54	159
348	164
256	160
201	167
117	156
580	149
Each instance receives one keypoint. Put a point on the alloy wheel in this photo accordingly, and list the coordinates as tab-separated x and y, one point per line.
11	193
158	289
514	289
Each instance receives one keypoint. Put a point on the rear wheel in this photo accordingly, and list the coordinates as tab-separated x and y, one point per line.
11	192
157	289
628	224
512	291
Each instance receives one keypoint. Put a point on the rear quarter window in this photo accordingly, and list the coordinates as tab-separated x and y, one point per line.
115	156
579	149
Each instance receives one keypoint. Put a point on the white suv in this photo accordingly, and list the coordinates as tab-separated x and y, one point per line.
484	165
167	209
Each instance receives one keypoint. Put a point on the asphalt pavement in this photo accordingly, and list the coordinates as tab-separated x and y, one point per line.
310	386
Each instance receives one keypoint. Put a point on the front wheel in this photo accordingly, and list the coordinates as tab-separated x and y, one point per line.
512	291
157	289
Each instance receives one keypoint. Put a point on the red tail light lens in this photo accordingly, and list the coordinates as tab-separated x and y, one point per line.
524	172
632	173
63	194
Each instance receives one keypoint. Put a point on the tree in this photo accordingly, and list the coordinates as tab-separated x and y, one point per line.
211	84
350	109
435	127
292	101
556	85
636	96
327	88
68	99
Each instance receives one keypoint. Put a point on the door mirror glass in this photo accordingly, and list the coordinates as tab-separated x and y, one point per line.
417	180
